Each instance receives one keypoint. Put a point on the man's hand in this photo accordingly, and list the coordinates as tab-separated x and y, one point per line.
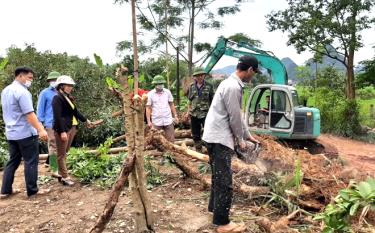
242	145
252	139
175	120
149	124
64	137
43	135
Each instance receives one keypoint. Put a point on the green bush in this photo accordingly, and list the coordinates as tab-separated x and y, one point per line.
366	93
338	115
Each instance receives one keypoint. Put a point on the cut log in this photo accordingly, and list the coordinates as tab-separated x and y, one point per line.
105	217
119	138
237	165
182	134
186	142
43	156
110	151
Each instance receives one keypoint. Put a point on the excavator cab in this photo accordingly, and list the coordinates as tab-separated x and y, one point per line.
274	110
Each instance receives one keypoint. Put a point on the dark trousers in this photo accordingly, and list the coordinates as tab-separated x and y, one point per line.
197	124
27	149
221	182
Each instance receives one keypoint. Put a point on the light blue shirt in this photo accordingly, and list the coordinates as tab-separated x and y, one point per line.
44	110
16	102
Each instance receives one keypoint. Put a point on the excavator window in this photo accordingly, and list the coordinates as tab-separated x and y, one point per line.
280	110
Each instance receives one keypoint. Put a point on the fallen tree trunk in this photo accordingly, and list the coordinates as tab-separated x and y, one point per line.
191	171
160	142
106	215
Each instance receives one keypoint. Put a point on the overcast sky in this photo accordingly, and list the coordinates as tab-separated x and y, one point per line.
84	27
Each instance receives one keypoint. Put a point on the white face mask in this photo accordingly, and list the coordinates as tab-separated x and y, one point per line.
52	84
159	87
27	83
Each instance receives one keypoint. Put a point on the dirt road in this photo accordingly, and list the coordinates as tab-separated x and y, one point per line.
356	154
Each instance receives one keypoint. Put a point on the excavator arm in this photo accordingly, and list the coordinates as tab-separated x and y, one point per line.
267	60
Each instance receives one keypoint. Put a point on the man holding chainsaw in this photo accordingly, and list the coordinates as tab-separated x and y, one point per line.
224	127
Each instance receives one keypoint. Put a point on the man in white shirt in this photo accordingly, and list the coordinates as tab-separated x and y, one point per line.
223	128
160	110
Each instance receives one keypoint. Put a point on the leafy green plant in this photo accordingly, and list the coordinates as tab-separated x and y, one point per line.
154	177
354	200
103	148
89	168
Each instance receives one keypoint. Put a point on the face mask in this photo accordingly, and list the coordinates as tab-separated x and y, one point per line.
159	87
27	83
52	84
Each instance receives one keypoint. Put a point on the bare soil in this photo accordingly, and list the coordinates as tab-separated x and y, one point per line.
356	154
180	204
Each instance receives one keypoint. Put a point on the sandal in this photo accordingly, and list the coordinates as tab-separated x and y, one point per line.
67	181
40	192
233	228
7	195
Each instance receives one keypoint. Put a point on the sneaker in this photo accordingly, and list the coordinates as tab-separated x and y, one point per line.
67	181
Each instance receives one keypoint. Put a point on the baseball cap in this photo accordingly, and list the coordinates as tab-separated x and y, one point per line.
250	61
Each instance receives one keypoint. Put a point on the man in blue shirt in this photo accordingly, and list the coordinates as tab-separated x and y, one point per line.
45	116
21	129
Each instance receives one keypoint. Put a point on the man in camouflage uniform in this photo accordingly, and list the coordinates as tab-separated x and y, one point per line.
200	95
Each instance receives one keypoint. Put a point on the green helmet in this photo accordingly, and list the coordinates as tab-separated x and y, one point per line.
158	79
53	75
199	71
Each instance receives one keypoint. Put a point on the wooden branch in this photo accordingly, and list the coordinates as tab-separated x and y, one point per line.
117	113
106	215
280	226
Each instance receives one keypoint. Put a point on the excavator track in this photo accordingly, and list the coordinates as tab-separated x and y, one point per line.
316	146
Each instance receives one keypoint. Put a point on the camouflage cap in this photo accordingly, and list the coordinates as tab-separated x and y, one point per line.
199	71
53	75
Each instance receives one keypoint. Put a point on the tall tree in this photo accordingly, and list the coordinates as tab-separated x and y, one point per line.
164	17
367	76
241	37
329	27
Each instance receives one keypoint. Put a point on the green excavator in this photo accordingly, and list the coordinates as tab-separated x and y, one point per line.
271	109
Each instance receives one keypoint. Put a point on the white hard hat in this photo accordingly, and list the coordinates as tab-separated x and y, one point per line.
65	79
